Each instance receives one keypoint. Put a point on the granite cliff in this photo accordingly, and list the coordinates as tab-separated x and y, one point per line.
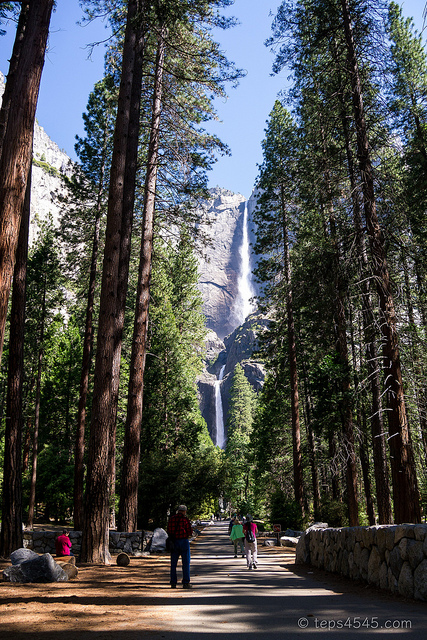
49	162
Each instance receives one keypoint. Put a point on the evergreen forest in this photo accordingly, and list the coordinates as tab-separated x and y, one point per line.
102	332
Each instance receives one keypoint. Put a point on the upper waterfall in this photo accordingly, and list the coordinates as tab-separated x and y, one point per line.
244	305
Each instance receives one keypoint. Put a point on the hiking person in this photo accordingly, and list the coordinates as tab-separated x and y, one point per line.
238	537
250	530
179	531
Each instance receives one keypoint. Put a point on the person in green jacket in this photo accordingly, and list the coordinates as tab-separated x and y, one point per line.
238	537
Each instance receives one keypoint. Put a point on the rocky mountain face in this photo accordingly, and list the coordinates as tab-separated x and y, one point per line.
219	268
48	164
233	338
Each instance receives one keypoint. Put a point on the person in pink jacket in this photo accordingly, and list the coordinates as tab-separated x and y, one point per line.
63	544
250	530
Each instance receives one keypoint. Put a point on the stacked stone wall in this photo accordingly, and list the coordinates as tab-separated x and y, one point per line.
130	543
393	558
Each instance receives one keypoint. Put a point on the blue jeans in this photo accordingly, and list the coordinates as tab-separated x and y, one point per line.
181	548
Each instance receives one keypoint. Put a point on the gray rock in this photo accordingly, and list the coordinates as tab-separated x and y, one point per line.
403	531
403	548
127	548
22	555
114	538
288	541
374	565
420	581
396	562
344	563
302	555
383	575
158	542
364	561
420	532
415	553
270	542
40	569
405	583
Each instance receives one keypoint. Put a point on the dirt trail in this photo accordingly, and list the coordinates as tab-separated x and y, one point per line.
278	601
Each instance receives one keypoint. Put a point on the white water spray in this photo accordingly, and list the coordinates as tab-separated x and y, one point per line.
219	415
243	305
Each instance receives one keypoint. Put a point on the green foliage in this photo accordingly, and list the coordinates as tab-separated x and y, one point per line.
334	512
239	428
48	168
285	512
331	401
193	478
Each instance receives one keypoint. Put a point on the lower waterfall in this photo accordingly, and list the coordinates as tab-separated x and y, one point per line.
219	415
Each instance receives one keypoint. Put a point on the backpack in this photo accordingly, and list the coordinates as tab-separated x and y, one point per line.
249	534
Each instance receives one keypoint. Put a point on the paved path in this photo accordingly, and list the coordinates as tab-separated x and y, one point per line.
275	603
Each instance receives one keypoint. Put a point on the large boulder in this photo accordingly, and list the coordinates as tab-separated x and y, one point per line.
158	541
22	555
40	569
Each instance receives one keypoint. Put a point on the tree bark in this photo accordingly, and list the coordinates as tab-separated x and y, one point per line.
95	539
405	485
296	430
131	451
385	514
32	501
84	383
17	142
13	66
11	526
125	248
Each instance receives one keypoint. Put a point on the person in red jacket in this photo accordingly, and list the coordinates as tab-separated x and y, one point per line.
63	544
179	530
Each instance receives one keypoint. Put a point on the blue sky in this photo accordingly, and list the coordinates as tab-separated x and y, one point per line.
69	76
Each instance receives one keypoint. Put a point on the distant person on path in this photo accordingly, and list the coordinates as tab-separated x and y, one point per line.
179	530
63	544
250	529
238	537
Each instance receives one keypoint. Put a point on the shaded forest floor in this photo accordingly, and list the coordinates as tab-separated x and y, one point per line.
100	602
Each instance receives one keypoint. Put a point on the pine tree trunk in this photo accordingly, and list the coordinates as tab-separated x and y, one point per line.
13	67
32	501
342	350
383	495
95	539
364	461
86	359
125	248
296	431
17	142
131	449
405	486
11	525
312	445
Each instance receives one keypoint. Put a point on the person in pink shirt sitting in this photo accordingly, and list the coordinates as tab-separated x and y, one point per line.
63	544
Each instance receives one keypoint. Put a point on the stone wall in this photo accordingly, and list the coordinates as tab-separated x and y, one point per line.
390	557
130	543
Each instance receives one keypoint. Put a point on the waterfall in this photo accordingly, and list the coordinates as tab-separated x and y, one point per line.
244	306
219	416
